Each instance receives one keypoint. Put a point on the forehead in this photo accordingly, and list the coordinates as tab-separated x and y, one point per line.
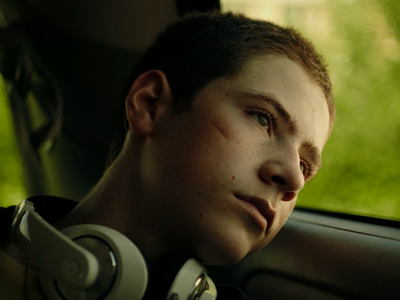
290	85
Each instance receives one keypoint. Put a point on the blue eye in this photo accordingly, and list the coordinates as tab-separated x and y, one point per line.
263	118
304	168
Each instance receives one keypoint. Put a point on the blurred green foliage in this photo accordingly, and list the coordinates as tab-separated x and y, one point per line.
361	169
11	187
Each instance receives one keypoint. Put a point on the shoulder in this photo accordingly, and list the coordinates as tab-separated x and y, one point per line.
18	281
12	277
17	278
48	207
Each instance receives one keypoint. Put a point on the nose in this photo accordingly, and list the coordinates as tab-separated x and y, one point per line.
284	173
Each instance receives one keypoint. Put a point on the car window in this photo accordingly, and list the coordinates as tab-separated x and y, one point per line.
360	41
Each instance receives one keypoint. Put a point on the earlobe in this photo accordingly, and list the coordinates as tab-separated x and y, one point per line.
147	99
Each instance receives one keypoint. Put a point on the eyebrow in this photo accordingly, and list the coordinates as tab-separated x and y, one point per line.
314	154
270	98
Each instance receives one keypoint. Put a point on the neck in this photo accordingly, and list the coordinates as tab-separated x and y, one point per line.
117	202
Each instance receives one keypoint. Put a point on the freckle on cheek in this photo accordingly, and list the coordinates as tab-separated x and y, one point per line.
233	177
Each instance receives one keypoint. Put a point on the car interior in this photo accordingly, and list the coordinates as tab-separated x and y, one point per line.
66	66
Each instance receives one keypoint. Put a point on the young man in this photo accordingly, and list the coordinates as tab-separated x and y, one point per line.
225	123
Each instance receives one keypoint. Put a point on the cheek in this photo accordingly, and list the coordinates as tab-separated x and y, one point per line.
222	129
227	144
210	149
220	146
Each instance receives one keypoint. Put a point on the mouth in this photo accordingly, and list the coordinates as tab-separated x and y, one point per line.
264	215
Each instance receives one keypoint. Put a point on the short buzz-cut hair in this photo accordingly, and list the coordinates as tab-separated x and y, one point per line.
202	47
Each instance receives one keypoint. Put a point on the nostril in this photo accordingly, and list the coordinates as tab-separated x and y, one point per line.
289	196
278	180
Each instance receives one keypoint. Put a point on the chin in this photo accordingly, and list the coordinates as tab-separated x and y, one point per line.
220	260
223	255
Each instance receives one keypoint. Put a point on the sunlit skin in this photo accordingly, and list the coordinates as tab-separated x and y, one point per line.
219	181
233	143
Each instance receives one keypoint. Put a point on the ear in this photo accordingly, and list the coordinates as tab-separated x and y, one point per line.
146	101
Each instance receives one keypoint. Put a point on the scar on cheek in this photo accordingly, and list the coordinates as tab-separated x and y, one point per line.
220	130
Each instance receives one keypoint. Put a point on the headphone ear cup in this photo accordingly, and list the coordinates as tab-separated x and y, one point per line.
192	282
122	268
162	274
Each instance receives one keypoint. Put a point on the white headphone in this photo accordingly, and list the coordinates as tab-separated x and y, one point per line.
94	262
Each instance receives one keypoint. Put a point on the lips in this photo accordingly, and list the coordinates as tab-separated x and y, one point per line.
261	205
